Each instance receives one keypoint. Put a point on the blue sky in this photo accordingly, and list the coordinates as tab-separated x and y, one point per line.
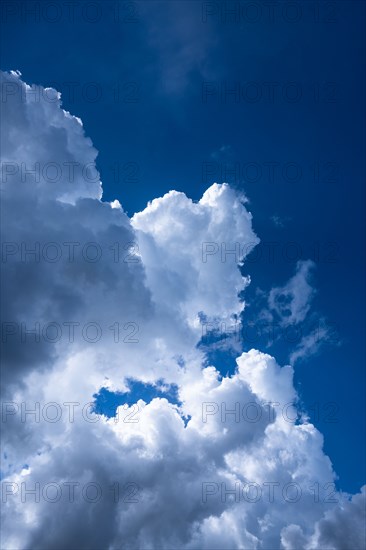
161	121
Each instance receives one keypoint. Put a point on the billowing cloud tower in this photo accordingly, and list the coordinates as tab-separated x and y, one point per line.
91	300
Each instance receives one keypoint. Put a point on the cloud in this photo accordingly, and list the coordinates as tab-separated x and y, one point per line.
183	52
286	316
338	529
222	154
291	302
232	462
310	344
280	221
185	247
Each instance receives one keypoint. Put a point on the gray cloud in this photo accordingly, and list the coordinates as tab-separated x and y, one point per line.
182	484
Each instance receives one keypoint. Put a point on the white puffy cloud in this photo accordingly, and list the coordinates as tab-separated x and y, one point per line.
235	464
186	249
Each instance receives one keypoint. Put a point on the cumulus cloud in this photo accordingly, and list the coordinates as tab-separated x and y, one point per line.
182	245
233	464
338	529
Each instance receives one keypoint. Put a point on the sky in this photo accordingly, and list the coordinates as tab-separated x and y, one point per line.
175	97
